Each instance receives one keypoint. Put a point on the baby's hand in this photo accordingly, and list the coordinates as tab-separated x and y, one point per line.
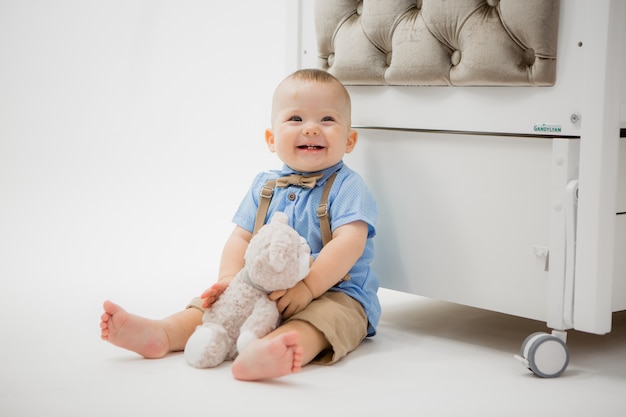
210	295
293	300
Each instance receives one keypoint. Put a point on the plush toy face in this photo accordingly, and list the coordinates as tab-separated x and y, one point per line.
277	256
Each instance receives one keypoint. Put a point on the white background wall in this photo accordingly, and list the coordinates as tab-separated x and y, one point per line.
129	132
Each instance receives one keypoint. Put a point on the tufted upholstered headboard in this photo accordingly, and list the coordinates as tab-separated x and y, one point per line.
438	42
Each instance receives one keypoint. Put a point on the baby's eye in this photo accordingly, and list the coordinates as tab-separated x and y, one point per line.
295	119
328	119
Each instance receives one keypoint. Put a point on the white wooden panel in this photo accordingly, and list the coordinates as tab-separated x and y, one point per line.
619	282
595	234
462	218
621	176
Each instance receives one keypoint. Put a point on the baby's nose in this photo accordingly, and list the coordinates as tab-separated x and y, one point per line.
311	130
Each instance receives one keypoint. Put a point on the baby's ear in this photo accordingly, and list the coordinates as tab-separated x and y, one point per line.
353	138
269	140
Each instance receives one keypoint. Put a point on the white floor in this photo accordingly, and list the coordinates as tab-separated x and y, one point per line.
430	358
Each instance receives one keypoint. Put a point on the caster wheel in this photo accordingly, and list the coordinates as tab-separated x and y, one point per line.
545	355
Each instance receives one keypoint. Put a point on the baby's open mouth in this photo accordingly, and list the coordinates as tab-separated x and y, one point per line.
310	147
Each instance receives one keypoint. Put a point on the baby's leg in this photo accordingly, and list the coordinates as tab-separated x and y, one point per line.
284	351
149	338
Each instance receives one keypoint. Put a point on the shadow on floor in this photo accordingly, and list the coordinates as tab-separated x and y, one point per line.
603	354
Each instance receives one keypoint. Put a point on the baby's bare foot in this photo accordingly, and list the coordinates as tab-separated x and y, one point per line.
138	334
264	359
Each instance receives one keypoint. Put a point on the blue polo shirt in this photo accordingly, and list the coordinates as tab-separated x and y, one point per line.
349	200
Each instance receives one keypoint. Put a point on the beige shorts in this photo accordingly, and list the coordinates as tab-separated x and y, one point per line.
339	317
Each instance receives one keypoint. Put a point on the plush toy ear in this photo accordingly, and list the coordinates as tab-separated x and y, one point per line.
279	217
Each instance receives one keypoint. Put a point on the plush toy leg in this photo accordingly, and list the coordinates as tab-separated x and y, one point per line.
264	319
208	346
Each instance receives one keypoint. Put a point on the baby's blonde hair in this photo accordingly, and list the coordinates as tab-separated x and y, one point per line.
319	76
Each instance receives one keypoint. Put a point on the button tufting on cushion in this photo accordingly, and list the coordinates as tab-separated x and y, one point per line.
456	57
435	42
529	57
388	60
359	8
331	60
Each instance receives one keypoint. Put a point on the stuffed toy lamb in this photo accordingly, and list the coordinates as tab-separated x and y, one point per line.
276	259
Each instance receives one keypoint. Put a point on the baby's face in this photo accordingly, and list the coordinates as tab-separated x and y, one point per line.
310	125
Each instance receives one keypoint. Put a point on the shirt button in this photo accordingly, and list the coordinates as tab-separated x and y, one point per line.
291	196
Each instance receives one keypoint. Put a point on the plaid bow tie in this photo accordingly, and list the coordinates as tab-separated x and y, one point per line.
303	181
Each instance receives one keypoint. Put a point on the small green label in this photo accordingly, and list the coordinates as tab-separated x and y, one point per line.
547	128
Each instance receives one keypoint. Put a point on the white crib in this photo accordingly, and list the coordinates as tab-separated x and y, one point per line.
500	196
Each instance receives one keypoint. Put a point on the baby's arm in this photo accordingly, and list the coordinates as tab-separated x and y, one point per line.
333	263
231	263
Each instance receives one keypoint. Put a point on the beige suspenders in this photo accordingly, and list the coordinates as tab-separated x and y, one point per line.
322	210
264	204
